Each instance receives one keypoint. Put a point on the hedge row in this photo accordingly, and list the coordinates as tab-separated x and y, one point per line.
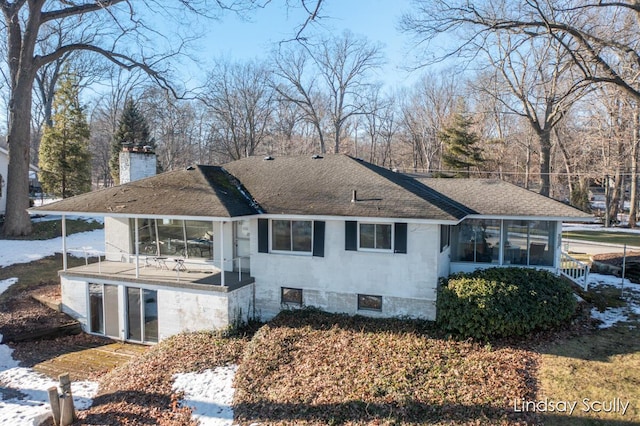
502	302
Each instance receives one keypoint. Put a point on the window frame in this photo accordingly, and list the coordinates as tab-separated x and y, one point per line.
291	303
375	233
364	308
291	238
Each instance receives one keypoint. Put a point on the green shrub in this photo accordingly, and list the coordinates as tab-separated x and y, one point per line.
503	302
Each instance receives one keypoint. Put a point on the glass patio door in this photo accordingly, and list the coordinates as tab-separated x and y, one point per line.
103	310
142	315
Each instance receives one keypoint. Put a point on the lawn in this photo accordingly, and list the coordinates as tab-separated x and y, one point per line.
630	239
597	369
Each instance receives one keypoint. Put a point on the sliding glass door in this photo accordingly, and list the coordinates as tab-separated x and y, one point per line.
103	309
142	315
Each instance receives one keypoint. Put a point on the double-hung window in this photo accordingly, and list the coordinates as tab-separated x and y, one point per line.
376	236
367	236
292	235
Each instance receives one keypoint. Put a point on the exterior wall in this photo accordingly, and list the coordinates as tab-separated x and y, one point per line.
182	310
406	282
117	240
136	165
179	310
75	300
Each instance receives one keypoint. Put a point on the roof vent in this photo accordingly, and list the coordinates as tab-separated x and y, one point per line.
191	168
316	156
268	158
354	196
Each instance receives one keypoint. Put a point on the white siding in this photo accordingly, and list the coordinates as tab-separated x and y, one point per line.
407	282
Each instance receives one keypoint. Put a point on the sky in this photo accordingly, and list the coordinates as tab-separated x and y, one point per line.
253	38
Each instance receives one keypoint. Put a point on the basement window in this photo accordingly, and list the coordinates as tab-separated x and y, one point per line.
367	302
291	296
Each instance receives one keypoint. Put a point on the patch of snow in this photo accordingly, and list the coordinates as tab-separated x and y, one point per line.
209	394
25	251
610	316
24	400
629	290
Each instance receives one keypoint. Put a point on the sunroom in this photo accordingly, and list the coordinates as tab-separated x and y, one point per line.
482	243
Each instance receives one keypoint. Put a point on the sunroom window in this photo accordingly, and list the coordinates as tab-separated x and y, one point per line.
476	240
507	242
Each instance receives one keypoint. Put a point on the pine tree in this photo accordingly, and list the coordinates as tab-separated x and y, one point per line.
461	150
133	132
65	158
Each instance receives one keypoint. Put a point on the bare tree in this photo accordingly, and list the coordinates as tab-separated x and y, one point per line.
423	111
328	77
240	100
110	28
295	82
345	64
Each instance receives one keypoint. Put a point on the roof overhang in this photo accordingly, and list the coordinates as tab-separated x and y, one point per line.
590	219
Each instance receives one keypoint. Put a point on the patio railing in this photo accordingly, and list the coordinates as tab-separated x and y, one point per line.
159	262
575	270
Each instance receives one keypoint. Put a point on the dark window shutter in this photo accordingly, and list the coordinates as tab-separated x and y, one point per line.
318	238
351	235
263	236
400	238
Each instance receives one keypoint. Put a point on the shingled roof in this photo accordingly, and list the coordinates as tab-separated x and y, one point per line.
313	186
307	185
206	191
493	197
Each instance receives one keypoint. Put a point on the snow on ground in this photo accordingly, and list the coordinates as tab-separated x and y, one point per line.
630	292
25	251
23	392
209	394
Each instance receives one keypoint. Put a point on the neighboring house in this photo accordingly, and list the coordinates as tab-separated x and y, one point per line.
206	246
4	171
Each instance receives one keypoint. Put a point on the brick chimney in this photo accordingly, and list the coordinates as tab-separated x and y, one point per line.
137	163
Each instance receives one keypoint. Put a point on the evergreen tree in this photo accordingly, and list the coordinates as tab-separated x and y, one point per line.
461	150
65	159
132	132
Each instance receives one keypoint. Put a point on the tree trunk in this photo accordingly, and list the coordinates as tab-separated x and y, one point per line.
633	193
17	221
545	162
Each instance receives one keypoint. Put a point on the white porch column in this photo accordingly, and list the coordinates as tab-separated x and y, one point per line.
137	245
64	243
222	253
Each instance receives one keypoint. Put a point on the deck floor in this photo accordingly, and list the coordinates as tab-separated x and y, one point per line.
197	275
87	363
